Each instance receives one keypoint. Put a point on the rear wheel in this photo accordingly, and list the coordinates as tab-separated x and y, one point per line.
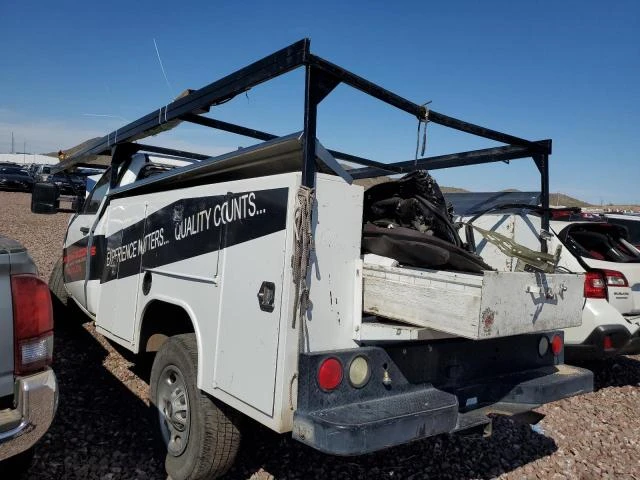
201	438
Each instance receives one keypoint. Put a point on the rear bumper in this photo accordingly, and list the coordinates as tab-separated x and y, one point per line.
36	404
421	411
622	343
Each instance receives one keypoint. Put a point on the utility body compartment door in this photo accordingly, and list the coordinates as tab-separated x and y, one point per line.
121	273
250	310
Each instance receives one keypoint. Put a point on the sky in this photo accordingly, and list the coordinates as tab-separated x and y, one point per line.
566	70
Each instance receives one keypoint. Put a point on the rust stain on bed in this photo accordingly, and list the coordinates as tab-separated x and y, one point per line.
488	318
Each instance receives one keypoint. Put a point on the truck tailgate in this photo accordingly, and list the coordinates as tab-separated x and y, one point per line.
495	304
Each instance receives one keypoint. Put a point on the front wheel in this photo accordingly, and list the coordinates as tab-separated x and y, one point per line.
201	437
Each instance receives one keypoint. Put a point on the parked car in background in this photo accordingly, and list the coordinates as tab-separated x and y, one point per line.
612	275
69	184
28	387
15	178
630	222
584	243
41	173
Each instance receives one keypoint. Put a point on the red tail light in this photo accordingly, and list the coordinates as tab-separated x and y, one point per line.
597	281
32	323
594	285
615	279
556	345
330	374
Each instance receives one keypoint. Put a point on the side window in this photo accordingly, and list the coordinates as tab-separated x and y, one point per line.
92	204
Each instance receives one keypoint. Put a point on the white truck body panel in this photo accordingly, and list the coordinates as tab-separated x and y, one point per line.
219	288
335	287
118	300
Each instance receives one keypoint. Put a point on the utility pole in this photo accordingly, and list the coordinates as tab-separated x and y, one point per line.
24	149
12	144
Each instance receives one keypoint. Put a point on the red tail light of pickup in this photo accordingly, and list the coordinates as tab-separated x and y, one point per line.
32	323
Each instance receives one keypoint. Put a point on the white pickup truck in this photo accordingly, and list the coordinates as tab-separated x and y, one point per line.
245	273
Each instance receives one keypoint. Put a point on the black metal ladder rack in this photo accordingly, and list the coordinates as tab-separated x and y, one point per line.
321	77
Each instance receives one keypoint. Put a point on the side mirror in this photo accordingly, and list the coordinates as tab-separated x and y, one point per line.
45	198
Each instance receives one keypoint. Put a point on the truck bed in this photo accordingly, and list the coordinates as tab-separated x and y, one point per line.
491	305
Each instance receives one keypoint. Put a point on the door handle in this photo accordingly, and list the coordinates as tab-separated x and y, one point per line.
84	230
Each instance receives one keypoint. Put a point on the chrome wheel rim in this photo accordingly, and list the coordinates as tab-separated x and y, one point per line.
173	408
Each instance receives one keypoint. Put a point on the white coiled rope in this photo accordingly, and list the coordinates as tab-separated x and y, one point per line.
302	252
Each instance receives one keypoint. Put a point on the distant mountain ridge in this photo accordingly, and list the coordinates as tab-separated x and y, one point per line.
566	201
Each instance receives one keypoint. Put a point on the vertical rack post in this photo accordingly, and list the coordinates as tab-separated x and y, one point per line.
310	118
542	161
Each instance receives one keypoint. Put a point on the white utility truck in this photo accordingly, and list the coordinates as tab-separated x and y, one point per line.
245	273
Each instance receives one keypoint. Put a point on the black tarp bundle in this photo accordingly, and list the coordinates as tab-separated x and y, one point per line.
408	220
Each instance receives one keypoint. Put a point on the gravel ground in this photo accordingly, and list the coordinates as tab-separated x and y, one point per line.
102	429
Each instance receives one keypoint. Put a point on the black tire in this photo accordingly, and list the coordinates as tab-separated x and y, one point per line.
56	285
213	437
